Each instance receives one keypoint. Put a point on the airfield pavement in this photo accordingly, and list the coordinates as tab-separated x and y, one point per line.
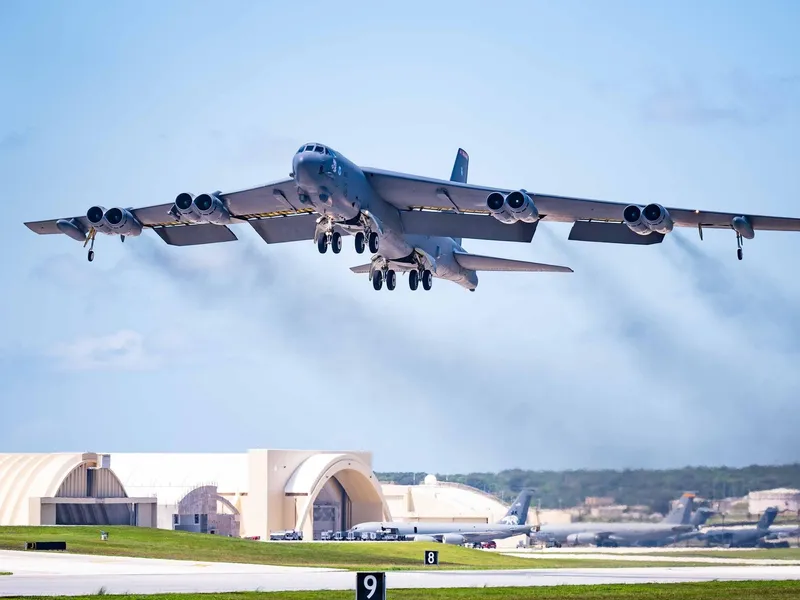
72	574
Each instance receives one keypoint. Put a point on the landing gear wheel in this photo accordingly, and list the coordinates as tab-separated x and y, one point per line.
413	279
361	243
377	280
373	242
391	280
322	244
739	253
336	242
90	256
739	245
427	280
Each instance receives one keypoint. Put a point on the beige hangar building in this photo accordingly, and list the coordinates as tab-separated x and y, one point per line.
252	493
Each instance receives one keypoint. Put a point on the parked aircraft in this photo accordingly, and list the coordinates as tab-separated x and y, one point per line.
742	537
513	523
623	534
409	223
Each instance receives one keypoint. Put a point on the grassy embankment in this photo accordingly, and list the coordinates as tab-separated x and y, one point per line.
739	590
158	543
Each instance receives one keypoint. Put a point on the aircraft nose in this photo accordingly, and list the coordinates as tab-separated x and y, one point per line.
308	166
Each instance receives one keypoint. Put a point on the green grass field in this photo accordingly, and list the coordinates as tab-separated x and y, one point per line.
743	590
159	543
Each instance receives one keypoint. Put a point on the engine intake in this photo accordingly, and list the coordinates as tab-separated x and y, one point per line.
211	209
496	203
522	207
635	221
657	218
122	222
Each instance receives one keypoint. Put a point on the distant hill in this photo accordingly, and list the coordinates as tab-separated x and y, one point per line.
654	488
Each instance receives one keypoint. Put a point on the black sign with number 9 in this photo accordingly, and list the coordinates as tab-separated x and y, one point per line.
370	586
431	557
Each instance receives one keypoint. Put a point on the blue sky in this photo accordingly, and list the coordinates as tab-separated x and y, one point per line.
644	357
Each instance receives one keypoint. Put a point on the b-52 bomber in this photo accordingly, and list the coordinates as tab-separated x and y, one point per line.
409	223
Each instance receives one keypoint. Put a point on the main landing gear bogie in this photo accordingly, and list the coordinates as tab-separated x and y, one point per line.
389	276
334	240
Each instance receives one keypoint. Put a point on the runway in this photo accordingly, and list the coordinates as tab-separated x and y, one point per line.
71	574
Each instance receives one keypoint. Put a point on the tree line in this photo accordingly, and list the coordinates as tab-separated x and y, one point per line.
650	487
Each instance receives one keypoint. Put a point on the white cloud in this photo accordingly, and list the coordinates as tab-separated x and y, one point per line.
124	350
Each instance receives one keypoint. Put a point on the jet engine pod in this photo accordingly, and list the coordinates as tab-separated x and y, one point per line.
453	538
212	209
95	217
183	202
522	207
496	203
583	538
424	538
634	220
657	218
122	222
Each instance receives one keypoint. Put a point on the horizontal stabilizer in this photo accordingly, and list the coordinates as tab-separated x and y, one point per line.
611	233
476	262
294	228
470	226
194	235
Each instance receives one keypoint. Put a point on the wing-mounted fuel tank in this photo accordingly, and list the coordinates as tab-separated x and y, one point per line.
205	208
114	221
517	206
651	218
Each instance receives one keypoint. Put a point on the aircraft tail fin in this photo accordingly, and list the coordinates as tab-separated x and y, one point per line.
700	516
460	167
767	518
518	512
476	262
681	514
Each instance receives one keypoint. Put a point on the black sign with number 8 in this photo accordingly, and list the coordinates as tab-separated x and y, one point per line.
431	557
370	586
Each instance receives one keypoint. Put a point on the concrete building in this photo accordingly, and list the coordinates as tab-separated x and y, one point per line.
786	499
257	492
67	489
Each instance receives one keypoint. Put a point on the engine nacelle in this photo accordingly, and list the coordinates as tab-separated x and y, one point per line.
496	204
584	538
522	207
634	220
122	222
95	217
211	209
424	538
657	218
453	538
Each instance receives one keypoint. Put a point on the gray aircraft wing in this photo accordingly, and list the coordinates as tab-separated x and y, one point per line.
450	208
274	210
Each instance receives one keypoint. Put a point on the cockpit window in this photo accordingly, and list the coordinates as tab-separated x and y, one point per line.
303	147
309	147
320	149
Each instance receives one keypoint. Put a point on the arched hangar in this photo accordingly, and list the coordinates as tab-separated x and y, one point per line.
67	489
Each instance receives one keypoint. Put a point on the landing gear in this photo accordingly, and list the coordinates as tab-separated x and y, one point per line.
90	241
391	280
322	244
373	242
361	243
336	242
413	279
427	280
739	246
377	280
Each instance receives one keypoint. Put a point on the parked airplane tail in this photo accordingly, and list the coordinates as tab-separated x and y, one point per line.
476	262
767	518
682	512
518	512
700	516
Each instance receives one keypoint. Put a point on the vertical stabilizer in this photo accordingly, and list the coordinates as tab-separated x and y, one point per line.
682	513
518	512
460	167
767	518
